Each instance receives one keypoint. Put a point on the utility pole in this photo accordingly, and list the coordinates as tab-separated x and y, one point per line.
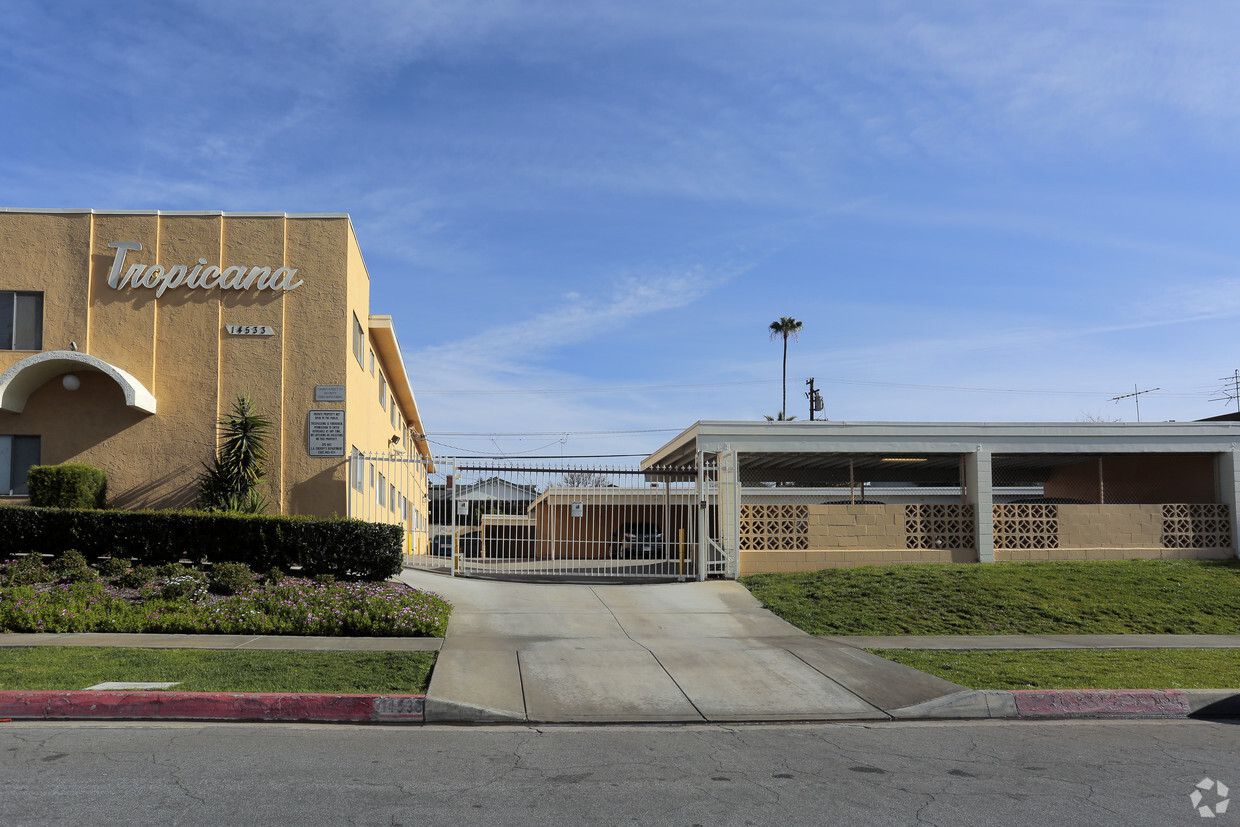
1136	397
815	399
1231	390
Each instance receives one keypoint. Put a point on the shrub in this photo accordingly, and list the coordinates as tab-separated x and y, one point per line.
273	576
346	549
188	585
72	485
115	567
137	577
25	571
168	570
69	561
230	578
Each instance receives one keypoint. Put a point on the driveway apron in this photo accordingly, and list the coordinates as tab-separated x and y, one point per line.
668	652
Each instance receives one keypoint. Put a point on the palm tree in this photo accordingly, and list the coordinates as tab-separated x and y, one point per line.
784	328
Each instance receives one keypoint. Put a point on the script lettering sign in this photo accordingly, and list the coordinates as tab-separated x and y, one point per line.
200	276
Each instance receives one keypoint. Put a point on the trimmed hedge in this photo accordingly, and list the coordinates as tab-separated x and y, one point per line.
348	549
72	485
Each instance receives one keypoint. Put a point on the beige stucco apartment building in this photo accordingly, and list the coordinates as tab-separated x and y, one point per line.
125	335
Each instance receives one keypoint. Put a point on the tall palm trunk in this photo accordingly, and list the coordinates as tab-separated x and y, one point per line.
783	408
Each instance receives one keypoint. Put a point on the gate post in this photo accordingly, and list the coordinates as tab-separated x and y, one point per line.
703	543
729	510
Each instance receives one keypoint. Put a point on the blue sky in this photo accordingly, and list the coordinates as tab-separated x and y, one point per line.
620	197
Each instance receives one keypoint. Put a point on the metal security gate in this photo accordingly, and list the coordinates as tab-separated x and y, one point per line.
511	519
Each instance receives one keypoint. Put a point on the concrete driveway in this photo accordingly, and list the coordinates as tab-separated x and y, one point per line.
683	652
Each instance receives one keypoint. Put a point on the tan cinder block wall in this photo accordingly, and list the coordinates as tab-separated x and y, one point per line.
177	347
1110	526
1024	555
844	536
1111	532
849	527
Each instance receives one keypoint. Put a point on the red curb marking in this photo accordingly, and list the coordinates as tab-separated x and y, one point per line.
1100	703
214	706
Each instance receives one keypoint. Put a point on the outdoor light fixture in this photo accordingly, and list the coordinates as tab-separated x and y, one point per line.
71	382
395	439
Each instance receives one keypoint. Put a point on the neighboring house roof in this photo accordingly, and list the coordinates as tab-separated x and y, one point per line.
492	488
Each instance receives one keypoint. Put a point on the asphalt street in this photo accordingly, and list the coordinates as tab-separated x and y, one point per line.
983	773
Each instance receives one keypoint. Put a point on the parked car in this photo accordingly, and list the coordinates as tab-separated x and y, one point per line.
470	544
638	540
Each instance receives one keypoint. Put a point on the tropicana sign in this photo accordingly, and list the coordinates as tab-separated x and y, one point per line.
199	277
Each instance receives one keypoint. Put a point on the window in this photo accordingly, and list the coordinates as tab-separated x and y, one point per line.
359	470
392	400
17	454
21	321
372	363
392	497
357	340
372	476
382	391
381	492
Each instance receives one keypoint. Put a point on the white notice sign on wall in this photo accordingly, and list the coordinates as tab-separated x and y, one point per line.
329	393
325	434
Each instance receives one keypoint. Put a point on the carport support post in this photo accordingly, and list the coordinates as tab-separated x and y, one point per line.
977	481
1229	492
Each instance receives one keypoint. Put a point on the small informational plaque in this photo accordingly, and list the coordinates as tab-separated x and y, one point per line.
326	434
329	393
249	330
462	507
576	509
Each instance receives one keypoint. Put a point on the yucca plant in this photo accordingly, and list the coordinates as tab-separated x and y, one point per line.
230	483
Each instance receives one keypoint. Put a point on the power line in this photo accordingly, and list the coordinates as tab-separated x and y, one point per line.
534	391
488	434
701	385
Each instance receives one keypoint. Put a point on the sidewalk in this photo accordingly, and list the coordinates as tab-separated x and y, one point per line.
672	653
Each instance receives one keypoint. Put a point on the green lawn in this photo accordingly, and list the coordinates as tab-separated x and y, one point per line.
216	670
1078	668
1122	597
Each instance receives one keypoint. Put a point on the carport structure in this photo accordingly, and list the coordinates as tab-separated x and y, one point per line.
831	494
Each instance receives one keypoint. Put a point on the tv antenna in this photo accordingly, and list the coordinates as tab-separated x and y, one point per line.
1231	390
1136	397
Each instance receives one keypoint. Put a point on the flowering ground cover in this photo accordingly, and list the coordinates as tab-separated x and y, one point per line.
181	600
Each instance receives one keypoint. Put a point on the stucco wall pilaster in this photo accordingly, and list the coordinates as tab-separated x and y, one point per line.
977	480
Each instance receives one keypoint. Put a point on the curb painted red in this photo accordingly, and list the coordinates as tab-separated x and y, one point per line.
1101	703
213	706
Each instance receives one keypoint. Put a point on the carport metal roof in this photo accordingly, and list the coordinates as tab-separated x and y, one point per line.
831	445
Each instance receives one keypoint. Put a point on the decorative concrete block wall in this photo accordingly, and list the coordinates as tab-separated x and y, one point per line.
807	537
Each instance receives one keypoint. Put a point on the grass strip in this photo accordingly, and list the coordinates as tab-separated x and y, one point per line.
216	670
1078	668
1093	597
